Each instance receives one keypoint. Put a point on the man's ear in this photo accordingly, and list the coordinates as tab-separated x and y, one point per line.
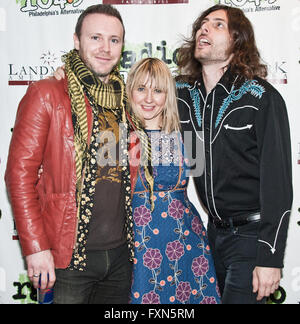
76	41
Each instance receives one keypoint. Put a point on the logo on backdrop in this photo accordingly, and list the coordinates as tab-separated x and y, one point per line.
135	2
278	297
25	75
135	52
24	291
37	8
277	72
251	5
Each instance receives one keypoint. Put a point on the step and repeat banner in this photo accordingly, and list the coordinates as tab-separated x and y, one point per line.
34	34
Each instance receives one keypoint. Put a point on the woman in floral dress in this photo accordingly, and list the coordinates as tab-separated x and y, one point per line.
173	263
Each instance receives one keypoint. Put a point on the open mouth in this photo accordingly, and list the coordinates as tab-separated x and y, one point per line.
204	42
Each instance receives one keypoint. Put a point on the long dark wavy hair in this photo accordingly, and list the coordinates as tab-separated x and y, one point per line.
246	61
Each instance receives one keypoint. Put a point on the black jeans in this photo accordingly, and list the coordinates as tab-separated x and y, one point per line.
107	280
234	251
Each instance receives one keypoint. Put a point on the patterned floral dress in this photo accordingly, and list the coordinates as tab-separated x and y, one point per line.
173	263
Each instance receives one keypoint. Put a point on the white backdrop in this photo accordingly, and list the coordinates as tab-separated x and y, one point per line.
35	33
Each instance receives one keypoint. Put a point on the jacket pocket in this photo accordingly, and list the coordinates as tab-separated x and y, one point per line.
54	210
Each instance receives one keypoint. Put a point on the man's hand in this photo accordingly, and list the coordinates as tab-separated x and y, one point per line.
59	73
265	281
41	263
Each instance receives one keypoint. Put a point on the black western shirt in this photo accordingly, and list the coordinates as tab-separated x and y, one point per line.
241	132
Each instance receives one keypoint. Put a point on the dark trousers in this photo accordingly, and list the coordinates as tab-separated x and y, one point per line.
107	280
234	251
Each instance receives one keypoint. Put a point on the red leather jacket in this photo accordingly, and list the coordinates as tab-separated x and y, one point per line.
44	205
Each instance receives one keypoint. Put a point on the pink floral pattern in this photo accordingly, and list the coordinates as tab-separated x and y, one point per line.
174	250
200	266
197	225
183	292
176	209
152	259
142	216
173	264
151	298
209	301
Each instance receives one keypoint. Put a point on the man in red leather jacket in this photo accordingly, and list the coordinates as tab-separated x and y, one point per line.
86	257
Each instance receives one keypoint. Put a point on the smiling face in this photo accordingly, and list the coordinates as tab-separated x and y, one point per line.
148	102
100	43
213	40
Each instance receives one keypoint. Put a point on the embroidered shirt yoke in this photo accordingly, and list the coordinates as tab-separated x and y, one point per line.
242	127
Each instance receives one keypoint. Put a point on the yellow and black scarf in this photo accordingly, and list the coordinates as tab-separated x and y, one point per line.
102	96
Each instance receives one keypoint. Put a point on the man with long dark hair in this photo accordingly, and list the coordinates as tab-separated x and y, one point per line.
242	123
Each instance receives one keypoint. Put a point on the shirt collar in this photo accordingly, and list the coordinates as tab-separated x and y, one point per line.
226	83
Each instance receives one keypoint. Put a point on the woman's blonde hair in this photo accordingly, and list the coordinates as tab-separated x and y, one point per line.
159	74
